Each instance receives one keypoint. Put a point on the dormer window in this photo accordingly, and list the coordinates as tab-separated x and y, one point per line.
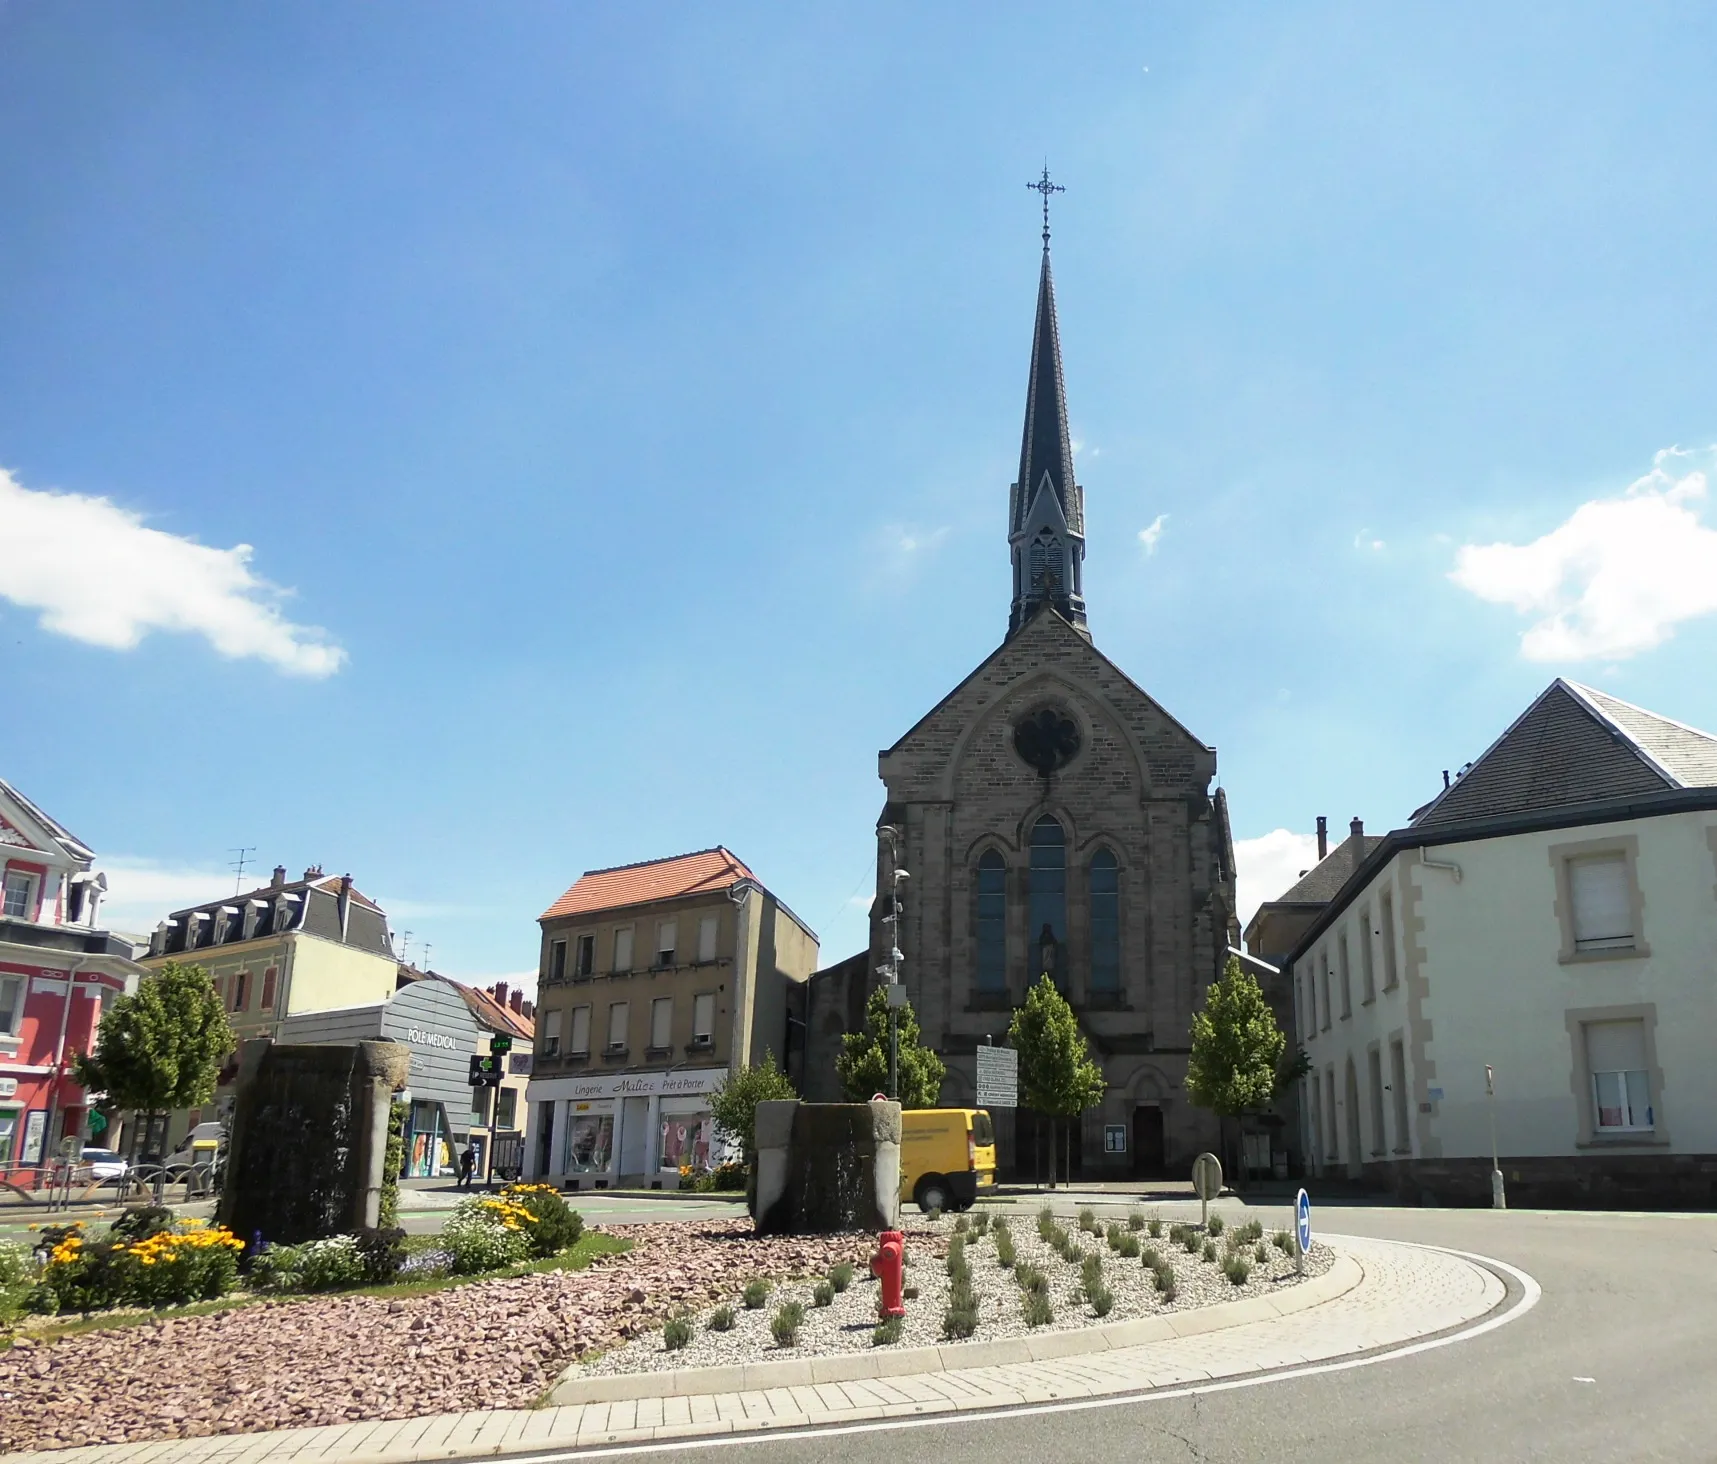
20	895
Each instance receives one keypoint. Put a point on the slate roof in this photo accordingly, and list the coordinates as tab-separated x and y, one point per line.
1572	746
69	843
704	872
1046	448
1317	886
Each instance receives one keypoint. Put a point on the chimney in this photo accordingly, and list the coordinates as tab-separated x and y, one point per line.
1323	838
528	1010
279	881
313	872
1445	780
499	991
1356	832
345	905
516	1002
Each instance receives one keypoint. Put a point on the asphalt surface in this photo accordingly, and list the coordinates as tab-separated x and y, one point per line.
1617	1361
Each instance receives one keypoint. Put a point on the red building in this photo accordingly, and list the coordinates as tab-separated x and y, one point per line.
58	972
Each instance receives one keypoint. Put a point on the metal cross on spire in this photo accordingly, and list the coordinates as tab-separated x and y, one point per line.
1045	187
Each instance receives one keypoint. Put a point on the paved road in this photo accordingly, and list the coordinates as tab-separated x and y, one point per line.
1616	1362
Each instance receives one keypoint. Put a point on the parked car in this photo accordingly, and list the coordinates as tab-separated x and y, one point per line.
199	1149
105	1164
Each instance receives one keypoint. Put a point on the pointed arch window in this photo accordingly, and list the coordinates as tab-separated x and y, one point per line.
992	922
1105	922
1047	904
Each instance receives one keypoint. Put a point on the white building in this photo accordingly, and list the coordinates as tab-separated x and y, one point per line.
1551	916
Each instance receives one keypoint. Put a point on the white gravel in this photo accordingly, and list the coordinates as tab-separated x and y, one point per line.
847	1324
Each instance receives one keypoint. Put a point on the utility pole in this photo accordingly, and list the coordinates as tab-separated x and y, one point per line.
1498	1199
890	969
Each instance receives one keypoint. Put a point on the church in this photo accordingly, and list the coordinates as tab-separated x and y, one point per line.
1051	816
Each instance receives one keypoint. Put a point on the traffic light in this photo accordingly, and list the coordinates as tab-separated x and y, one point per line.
499	1044
485	1072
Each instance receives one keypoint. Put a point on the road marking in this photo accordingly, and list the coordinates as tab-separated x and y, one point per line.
1585	1380
1531	1292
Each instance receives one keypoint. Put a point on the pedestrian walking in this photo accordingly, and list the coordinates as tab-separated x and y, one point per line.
467	1166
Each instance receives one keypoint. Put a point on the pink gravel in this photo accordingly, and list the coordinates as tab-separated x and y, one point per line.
341	1359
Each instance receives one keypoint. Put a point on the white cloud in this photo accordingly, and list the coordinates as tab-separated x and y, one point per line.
98	574
1149	535
1267	867
1365	539
1617	577
142	892
910	541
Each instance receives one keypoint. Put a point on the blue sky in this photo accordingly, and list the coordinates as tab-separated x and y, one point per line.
620	411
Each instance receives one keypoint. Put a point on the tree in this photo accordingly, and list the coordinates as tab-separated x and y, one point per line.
863	1063
1057	1075
162	1047
734	1104
1236	1046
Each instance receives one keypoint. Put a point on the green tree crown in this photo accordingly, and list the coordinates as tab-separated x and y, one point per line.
1057	1074
162	1047
1236	1046
863	1061
734	1104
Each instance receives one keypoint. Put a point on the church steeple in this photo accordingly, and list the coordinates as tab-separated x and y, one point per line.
1046	519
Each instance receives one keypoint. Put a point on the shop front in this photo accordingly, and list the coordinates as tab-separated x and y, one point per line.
626	1128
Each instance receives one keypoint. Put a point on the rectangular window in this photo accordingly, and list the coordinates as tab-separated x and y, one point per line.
1398	1091
617	1026
268	980
1389	975
506	1107
703	1018
20	895
992	922
578	1042
1621	1088
1332	1137
11	1005
1346	976
241	991
479	1107
1367	962
1379	1139
584	962
623	950
1105	922
708	928
662	1023
557	960
1317	1118
551	1034
1323	985
1603	909
666	935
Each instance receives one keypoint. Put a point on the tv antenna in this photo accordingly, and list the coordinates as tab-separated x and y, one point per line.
244	851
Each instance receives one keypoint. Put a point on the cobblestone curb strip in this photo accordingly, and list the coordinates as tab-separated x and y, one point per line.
1404	1293
851	1367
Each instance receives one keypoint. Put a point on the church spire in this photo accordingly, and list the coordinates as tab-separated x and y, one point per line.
1046	521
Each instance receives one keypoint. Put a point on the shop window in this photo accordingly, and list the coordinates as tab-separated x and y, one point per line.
585	960
578	1039
1105	922
589	1142
686	1141
1621	1084
623	950
992	913
708	929
661	1023
616	1026
667	936
11	1004
703	1019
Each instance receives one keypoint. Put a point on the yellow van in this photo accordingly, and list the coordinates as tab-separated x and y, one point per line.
946	1156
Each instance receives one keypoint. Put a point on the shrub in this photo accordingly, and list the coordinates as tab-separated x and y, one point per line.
1152	1258
823	1294
41	1300
730	1176
1038	1310
1262	1254
486	1234
1046	1227
16	1265
1102	1301
962	1225
961	1317
1091	1273
1237	1269
1284	1242
1032	1279
1129	1247
1210	1250
841	1275
886	1333
784	1325
1215	1225
1252	1230
756	1293
1166	1284
1155	1226
328	1265
393	1161
1005	1252
189	1262
1178	1234
1191	1243
1135	1220
721	1319
676	1333
959	1269
140	1222
383	1253
555	1225
1088	1222
980	1222
1113	1236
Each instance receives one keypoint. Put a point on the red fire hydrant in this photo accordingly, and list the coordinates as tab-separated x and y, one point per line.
888	1265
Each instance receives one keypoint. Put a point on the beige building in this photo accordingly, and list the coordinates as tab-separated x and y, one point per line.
656	980
314	944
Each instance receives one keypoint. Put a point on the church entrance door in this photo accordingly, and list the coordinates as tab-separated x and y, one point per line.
1148	1142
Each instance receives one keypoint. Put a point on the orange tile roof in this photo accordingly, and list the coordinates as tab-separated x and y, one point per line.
493	1015
701	873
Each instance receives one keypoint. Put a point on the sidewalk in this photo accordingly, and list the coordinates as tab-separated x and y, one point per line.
1401	1293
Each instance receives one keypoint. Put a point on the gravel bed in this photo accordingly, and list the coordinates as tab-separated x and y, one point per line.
847	1324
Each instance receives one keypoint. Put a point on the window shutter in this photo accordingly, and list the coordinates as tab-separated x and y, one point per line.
1603	912
1615	1047
707	928
623	949
617	1024
703	1017
666	934
580	1029
661	1021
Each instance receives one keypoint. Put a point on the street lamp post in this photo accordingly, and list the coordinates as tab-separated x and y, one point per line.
1498	1199
890	969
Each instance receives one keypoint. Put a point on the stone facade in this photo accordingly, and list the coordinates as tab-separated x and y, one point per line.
1137	790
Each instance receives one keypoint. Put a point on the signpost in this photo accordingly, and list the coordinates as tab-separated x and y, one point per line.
1206	1183
1302	1231
998	1077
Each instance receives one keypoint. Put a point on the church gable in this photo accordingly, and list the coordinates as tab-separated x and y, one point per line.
1127	737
